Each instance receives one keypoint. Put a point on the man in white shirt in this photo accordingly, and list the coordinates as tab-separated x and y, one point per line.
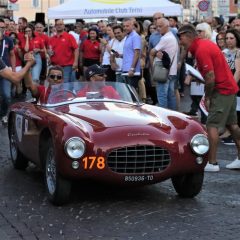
168	43
117	52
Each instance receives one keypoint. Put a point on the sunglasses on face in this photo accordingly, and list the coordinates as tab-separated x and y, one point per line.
54	77
100	75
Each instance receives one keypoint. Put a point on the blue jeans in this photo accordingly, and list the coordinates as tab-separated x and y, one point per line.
166	93
68	74
5	92
36	69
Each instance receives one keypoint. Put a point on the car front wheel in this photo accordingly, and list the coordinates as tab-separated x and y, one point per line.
18	159
188	185
58	188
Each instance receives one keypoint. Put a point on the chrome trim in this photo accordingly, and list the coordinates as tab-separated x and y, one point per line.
77	100
70	139
138	159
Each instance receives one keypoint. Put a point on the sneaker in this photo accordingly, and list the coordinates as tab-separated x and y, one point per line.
228	141
212	167
5	120
234	165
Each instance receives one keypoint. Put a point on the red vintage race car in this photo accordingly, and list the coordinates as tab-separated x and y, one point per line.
106	134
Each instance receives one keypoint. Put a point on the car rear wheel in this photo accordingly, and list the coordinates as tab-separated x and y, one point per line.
188	185
18	159
58	188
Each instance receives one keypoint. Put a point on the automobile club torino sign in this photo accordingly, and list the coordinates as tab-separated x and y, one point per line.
113	11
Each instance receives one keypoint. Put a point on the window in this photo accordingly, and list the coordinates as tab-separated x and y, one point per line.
61	1
35	3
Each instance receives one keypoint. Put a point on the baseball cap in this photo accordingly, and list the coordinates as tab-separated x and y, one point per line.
94	70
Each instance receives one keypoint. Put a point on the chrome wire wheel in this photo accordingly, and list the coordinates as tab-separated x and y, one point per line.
58	188
19	161
51	173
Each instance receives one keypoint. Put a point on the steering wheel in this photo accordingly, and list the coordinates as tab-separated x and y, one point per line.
61	95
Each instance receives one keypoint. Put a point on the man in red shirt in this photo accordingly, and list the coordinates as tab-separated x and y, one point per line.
63	50
40	92
220	91
97	77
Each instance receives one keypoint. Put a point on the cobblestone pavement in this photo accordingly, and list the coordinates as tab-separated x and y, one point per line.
103	212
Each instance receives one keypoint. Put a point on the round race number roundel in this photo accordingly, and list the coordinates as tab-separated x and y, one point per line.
13	1
203	5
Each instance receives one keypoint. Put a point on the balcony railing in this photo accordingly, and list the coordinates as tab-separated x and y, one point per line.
3	3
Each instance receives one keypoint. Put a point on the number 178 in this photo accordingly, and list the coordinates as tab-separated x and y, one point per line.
90	162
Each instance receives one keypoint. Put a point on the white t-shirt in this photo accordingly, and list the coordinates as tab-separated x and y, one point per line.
75	35
118	47
214	36
106	54
169	44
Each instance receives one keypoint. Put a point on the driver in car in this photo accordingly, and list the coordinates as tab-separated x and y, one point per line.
96	75
40	92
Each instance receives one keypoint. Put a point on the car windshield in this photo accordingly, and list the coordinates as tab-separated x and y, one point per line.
87	91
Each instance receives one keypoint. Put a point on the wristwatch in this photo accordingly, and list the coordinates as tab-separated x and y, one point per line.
132	69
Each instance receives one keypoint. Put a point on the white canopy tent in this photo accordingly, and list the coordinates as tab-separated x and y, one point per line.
74	9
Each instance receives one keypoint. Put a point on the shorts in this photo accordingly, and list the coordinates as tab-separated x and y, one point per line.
89	62
222	111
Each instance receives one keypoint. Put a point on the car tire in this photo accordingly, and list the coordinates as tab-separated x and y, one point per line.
18	159
188	185
58	188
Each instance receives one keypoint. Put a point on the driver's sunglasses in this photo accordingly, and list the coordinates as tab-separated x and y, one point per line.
100	75
54	77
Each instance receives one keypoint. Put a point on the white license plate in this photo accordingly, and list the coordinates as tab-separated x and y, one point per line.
135	178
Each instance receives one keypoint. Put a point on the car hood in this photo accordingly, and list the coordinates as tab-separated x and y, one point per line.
104	115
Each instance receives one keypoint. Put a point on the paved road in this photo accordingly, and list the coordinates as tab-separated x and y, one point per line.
104	212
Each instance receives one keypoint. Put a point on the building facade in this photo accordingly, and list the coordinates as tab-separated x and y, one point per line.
29	8
227	8
3	8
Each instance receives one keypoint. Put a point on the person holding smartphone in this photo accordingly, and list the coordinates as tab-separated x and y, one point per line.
117	52
106	52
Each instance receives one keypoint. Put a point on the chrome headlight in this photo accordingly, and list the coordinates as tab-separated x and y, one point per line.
75	147
200	144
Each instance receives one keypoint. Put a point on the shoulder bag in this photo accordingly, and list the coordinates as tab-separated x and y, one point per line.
160	73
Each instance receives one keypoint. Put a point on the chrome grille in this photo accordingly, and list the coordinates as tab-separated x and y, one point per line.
138	159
